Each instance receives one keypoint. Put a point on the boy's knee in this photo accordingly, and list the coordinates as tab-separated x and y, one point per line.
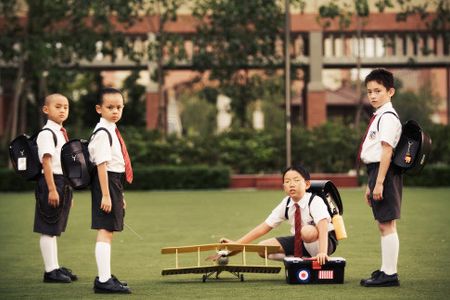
309	234
104	236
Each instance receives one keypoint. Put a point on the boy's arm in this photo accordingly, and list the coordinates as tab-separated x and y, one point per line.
53	196
322	227
103	179
386	156
252	235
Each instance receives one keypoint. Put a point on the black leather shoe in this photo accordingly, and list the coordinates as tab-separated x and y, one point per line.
56	276
374	275
124	283
383	280
110	286
68	273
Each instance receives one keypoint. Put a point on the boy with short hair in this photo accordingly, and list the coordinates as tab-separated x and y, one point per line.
108	203
53	194
385	182
312	231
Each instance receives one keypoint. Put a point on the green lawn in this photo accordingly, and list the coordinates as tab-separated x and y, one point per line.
164	219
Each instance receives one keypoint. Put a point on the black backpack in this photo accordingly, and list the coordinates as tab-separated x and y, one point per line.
23	152
413	148
75	163
329	194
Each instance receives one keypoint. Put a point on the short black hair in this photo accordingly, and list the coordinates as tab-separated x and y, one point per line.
300	169
105	91
382	76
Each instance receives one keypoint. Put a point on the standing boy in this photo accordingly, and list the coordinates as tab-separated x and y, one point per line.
312	231
53	194
108	152
384	188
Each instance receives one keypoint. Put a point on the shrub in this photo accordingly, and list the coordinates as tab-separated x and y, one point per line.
147	178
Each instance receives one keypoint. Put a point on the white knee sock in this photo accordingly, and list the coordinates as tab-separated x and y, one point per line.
55	247
103	258
48	250
390	246
276	256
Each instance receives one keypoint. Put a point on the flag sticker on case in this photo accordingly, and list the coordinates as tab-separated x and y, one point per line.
326	274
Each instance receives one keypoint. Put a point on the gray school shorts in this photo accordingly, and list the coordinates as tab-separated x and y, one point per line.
112	221
51	220
389	207
287	242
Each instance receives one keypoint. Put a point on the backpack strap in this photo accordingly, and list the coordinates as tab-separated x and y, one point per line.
309	204
102	128
55	139
286	216
387	112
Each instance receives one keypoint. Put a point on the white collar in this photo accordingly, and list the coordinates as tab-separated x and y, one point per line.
53	125
386	107
303	202
108	125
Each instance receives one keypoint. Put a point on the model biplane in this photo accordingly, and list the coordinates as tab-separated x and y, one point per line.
221	265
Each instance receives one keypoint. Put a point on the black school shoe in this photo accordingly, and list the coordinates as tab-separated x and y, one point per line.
68	273
383	280
113	285
56	276
374	275
124	283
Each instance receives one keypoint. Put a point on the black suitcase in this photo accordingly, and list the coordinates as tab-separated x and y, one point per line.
309	271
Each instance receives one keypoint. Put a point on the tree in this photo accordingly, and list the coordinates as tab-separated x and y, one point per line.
234	37
435	14
40	37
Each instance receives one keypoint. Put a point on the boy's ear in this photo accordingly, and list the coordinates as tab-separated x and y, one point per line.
391	92
308	184
98	109
45	109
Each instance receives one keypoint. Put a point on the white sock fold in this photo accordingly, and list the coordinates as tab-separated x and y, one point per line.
49	252
103	259
390	247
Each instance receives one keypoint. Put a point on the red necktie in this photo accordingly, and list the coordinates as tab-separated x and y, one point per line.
64	132
298	251
126	158
363	139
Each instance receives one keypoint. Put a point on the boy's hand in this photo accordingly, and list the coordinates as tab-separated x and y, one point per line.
106	205
377	193
367	196
124	204
53	198
225	240
322	258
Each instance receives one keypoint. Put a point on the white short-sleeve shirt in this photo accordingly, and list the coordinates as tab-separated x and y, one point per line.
46	145
100	150
389	131
310	215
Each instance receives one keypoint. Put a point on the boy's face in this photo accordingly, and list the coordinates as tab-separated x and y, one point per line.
295	185
112	107
57	109
378	94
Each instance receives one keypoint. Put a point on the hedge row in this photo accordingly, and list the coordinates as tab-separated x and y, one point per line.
151	178
430	176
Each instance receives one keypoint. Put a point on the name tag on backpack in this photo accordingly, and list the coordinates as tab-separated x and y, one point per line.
22	163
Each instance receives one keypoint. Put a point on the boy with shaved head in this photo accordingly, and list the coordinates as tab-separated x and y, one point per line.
53	194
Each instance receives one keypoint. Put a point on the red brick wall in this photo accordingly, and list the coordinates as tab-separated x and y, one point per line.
316	109
152	110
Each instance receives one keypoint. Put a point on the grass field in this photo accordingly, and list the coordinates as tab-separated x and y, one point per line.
187	217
